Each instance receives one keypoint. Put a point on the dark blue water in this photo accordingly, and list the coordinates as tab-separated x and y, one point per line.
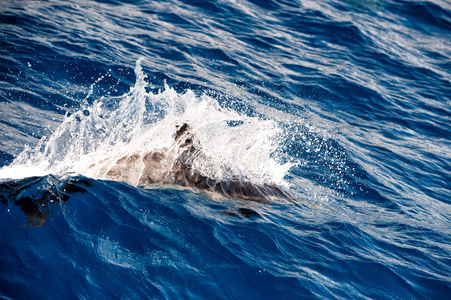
359	92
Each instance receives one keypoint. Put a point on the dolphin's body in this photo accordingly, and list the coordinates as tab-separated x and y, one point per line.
172	166
175	166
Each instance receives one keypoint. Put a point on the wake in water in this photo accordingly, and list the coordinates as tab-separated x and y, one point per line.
143	138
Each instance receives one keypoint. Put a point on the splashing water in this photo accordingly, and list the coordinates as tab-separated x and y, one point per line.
139	122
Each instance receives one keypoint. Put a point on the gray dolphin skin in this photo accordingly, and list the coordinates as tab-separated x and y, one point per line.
174	166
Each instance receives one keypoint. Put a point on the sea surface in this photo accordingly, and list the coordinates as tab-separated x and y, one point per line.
343	104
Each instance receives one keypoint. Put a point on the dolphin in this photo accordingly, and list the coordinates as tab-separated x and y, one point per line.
168	166
174	166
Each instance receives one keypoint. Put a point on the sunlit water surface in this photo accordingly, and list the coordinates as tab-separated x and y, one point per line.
345	105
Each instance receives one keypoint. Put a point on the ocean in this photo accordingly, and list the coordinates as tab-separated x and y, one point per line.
344	106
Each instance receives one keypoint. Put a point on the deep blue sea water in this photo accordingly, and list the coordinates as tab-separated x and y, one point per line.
346	105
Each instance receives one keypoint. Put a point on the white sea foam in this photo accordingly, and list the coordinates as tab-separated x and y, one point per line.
140	121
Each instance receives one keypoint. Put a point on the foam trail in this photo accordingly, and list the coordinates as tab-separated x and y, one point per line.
139	122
